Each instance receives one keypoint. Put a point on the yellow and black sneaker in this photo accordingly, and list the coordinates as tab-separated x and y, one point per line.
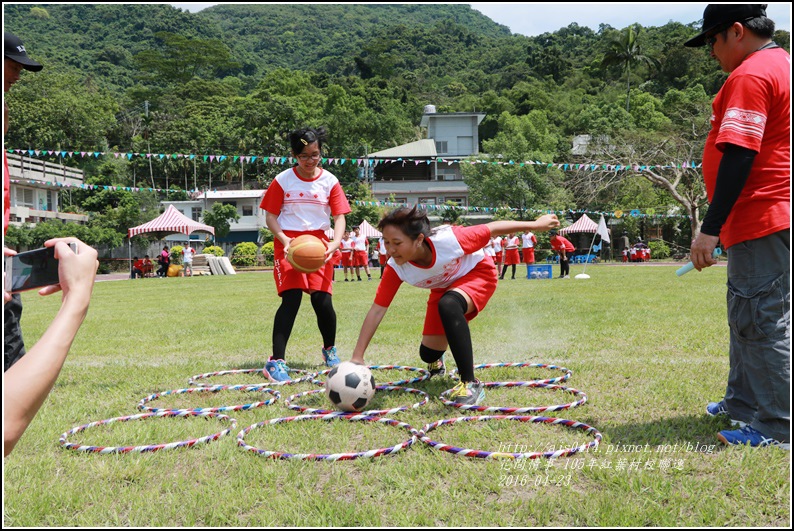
468	393
437	368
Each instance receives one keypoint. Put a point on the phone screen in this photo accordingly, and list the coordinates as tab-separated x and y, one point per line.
31	270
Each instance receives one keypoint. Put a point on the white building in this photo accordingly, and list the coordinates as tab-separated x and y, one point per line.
449	136
34	190
252	218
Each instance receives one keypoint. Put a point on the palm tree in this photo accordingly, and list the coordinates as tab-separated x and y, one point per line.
625	50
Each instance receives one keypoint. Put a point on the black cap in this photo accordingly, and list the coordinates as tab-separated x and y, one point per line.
14	49
722	15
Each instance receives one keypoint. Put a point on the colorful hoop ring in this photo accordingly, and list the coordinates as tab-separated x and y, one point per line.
424	374
329	457
518	410
214	389
146	448
568	372
563	452
309	375
368	412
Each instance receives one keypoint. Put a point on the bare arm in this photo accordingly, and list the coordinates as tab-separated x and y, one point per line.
544	223
272	223
368	329
339	230
28	382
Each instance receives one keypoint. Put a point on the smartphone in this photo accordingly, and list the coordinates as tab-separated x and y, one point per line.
32	269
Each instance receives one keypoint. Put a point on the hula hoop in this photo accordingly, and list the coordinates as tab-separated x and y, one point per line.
309	375
514	410
214	389
563	452
424	374
367	412
329	457
454	373
146	448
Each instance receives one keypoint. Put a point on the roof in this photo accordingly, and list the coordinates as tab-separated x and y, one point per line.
583	224
426	116
420	149
170	222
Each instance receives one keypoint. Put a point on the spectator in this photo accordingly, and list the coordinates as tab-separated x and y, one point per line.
747	172
564	248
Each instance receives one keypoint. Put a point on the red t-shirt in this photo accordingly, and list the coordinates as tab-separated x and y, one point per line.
558	243
753	110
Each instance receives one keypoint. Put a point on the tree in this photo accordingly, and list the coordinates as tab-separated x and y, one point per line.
220	217
624	50
182	59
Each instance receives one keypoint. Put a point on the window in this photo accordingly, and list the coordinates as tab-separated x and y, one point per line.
248	210
447	174
459	201
24	197
401	200
441	147
196	213
427	200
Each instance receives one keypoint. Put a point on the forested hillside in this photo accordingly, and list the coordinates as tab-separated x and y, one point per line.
235	79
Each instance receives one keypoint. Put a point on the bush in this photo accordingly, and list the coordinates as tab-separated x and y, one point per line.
176	254
244	254
659	249
268	252
213	250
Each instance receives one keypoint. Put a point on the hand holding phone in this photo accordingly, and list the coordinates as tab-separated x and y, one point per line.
32	269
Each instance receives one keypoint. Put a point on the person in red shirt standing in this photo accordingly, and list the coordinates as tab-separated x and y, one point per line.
564	248
747	172
302	200
451	263
346	248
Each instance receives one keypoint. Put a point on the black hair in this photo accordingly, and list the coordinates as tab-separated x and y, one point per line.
300	138
761	26
411	221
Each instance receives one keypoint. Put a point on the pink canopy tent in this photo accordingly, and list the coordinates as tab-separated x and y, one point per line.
583	224
172	221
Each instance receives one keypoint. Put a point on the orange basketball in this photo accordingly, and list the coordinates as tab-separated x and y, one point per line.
306	253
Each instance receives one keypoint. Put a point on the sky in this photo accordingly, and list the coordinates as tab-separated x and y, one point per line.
536	18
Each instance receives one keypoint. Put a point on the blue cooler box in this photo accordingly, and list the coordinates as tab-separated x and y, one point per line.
536	271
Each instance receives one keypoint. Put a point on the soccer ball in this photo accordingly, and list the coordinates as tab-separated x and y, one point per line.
350	386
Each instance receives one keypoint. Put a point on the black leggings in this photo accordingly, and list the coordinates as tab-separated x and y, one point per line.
565	267
288	311
504	270
452	309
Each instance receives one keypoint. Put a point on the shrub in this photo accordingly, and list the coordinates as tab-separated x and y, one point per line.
268	252
659	249
213	250
244	254
177	252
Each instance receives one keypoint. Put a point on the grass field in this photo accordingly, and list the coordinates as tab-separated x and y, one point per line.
648	348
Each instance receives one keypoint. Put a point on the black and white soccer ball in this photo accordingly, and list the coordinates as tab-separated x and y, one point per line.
350	386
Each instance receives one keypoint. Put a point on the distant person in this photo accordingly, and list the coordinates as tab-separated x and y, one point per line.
137	268
511	255
164	260
289	216
383	255
423	258
187	260
528	243
747	172
346	247
360	257
564	248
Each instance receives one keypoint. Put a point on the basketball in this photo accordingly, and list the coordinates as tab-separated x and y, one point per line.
306	253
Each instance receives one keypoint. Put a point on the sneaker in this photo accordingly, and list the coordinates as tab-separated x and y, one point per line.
359	279
566	276
346	280
437	368
277	371
718	408
750	436
468	393
330	357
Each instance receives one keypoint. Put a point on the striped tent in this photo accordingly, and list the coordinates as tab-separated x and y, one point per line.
171	221
368	230
583	224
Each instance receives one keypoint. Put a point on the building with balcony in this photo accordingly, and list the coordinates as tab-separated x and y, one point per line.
34	189
252	218
426	171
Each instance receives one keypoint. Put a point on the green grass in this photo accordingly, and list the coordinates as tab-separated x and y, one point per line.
648	348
